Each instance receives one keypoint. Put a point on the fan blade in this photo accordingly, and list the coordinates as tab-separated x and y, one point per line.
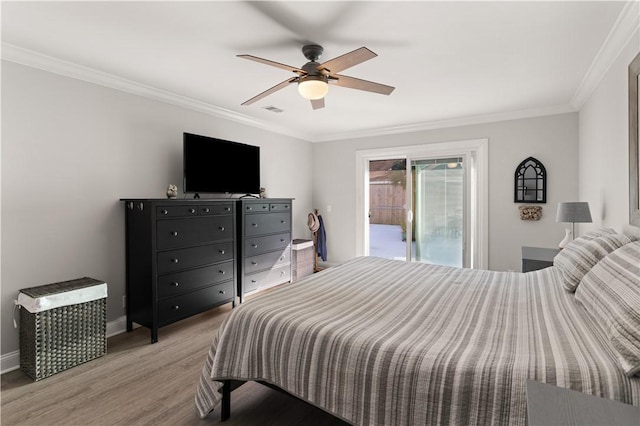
317	103
347	60
272	63
270	91
356	83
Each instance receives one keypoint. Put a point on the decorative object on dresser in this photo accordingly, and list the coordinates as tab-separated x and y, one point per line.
180	259
534	258
264	243
574	212
530	182
172	191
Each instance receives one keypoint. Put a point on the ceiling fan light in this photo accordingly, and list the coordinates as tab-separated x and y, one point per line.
313	88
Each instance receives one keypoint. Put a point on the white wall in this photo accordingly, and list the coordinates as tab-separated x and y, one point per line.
604	145
71	150
551	139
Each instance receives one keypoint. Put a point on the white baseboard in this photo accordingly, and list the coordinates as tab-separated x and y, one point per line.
117	326
11	361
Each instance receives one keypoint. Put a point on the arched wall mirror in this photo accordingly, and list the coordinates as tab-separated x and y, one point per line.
530	184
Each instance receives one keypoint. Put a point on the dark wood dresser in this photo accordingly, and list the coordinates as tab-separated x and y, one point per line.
264	243
180	259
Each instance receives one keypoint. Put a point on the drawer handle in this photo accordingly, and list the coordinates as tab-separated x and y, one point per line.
282	221
221	292
227	209
254	245
281	273
221	228
222	272
176	307
165	212
221	251
254	263
174	260
174	233
265	207
175	284
249	208
282	240
281	257
206	210
254	281
255	225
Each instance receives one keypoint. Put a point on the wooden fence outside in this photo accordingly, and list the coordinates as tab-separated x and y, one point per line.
386	203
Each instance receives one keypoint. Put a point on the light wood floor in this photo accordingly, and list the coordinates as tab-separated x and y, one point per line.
137	383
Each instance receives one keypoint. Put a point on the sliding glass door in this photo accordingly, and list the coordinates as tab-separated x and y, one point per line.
443	217
417	215
438	211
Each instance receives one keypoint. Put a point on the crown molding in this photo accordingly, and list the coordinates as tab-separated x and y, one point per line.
454	122
38	60
626	25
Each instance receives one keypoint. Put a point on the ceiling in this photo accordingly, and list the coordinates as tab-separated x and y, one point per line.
451	62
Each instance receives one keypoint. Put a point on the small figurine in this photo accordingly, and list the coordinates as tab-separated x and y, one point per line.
263	192
172	191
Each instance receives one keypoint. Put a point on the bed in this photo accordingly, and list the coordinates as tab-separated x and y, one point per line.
383	342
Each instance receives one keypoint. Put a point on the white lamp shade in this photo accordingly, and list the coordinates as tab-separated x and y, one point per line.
573	212
312	89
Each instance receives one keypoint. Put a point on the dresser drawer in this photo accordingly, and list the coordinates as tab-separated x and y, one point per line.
260	224
259	245
176	260
267	278
179	210
180	282
280	207
185	305
256	207
267	260
192	231
215	209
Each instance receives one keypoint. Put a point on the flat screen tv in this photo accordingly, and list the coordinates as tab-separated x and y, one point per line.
214	166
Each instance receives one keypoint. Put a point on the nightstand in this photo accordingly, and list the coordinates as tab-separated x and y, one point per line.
534	258
553	405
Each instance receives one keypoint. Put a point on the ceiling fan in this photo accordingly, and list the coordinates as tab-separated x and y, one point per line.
313	78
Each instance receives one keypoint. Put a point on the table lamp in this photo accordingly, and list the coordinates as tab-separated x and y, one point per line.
574	212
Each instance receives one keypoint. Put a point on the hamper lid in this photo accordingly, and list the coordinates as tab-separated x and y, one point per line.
51	296
299	244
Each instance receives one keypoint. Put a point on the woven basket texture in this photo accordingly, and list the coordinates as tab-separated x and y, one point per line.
304	255
303	263
57	339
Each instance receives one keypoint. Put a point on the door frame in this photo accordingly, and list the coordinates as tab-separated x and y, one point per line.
476	150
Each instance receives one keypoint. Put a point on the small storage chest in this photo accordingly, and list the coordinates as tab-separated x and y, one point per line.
303	259
62	325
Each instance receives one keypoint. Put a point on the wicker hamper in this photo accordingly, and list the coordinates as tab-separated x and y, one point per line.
62	325
303	256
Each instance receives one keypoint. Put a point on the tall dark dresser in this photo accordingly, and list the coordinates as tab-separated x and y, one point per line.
180	259
264	241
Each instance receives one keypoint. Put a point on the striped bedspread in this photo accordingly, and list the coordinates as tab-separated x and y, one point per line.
383	342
